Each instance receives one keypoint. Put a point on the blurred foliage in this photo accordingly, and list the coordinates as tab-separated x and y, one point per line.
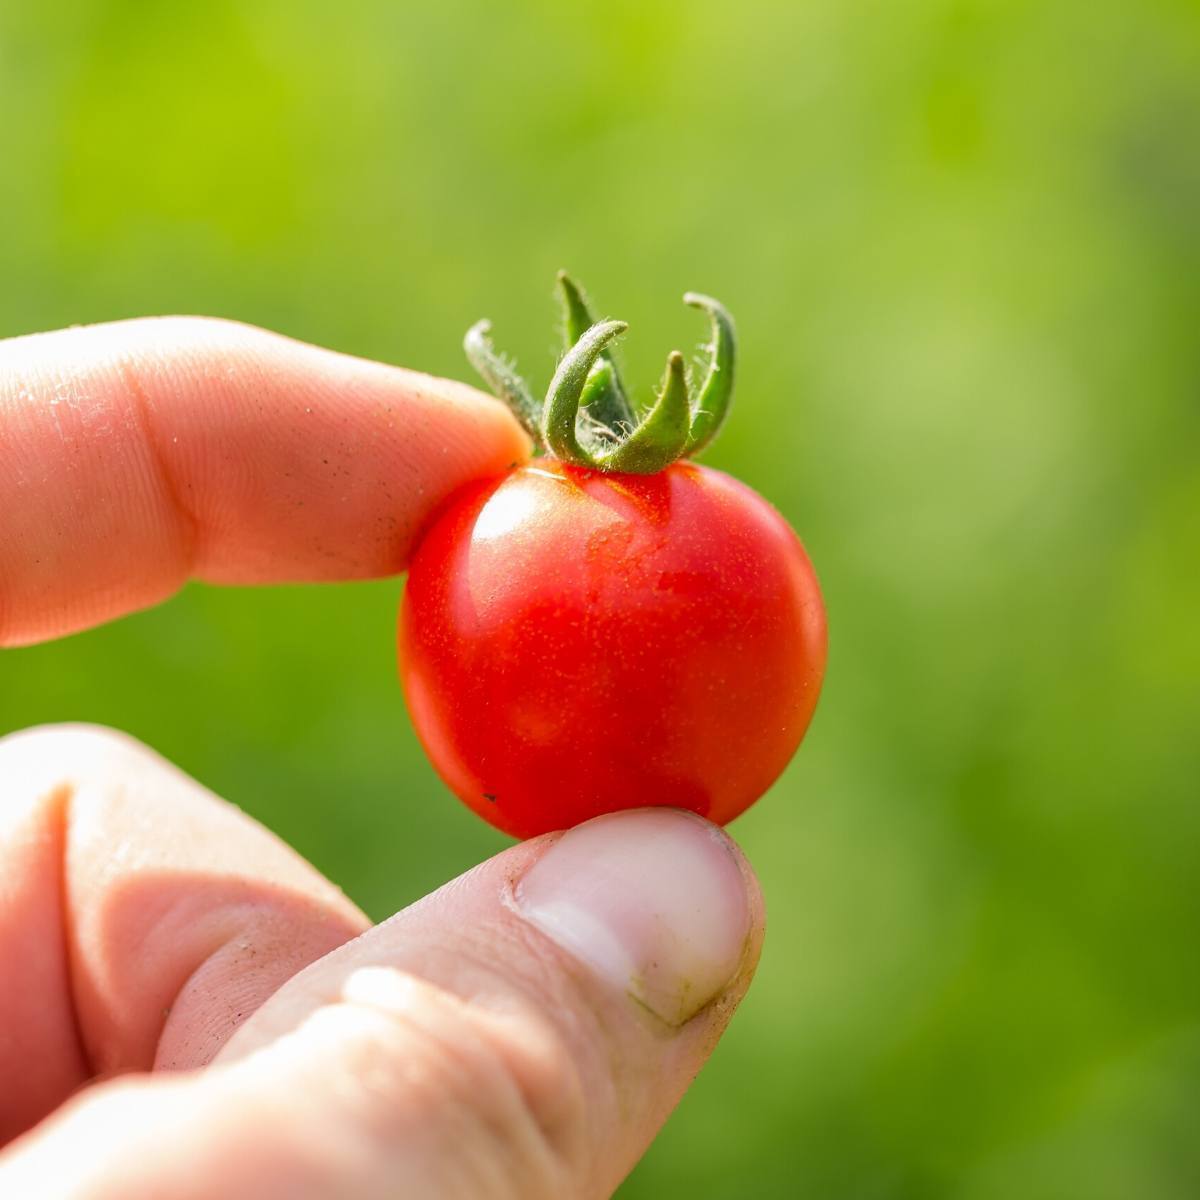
962	241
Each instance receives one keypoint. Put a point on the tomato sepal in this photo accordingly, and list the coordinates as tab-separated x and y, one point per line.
587	419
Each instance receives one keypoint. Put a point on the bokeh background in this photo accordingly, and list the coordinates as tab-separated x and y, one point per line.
962	241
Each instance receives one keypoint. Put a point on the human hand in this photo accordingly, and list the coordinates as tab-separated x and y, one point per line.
523	1032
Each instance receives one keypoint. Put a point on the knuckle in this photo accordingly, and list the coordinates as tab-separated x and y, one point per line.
186	330
209	344
47	764
509	1102
67	746
547	1078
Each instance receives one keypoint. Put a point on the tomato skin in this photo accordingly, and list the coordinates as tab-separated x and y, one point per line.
572	643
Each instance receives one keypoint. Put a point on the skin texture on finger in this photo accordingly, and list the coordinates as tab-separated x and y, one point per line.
358	1104
456	1051
600	1043
142	919
138	454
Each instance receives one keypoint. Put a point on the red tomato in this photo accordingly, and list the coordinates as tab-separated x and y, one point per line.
574	642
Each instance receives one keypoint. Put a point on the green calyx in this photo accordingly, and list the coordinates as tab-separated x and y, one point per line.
587	417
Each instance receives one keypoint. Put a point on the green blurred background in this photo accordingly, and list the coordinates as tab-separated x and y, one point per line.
962	241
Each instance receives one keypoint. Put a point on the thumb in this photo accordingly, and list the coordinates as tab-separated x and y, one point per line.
523	1032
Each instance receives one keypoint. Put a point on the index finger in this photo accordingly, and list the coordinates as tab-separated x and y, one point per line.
138	454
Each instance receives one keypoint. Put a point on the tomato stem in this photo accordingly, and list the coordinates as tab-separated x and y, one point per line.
559	420
662	434
587	418
716	391
501	376
603	394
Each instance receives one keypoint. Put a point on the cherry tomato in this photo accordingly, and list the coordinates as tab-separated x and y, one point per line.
574	642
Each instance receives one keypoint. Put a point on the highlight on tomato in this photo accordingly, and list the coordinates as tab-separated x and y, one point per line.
612	625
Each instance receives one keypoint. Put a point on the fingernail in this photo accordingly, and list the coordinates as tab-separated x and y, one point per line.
653	901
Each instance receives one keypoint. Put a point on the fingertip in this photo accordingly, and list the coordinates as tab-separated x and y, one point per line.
461	413
658	903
